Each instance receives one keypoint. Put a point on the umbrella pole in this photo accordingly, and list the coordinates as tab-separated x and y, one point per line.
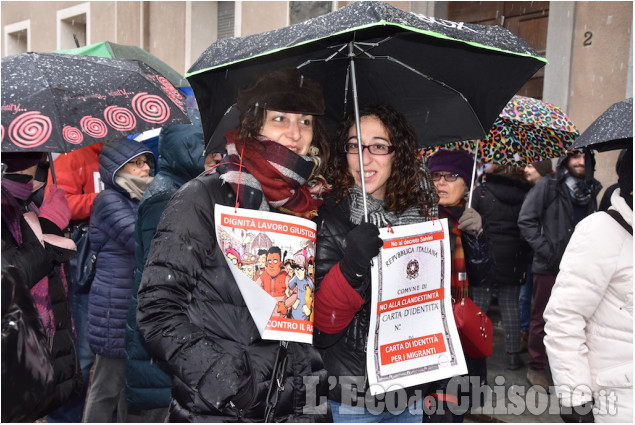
50	155
359	128
469	201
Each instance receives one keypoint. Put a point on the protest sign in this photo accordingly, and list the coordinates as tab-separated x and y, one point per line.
271	257
413	337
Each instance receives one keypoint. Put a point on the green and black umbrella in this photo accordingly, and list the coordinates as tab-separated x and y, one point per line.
108	49
450	79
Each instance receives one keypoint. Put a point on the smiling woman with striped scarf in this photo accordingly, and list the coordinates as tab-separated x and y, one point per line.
191	312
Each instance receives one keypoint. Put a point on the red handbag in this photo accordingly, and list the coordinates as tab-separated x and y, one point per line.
475	328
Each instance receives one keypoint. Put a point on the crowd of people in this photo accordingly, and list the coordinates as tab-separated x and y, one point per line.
168	335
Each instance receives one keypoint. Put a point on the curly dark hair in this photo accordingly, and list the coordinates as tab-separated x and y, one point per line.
410	184
252	120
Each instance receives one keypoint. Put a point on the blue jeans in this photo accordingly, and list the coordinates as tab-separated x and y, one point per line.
72	410
354	414
524	301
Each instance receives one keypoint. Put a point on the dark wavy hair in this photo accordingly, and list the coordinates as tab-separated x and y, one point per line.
410	184
516	173
252	120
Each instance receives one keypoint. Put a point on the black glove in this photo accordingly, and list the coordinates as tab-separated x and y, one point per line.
578	414
362	244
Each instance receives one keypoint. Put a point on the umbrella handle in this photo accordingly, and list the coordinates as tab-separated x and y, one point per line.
50	155
469	201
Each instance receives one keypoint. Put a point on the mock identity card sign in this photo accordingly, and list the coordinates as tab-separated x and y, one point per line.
413	338
272	258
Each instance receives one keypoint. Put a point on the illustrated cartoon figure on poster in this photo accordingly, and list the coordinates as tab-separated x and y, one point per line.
298	286
248	265
311	268
308	301
275	279
288	265
233	256
262	262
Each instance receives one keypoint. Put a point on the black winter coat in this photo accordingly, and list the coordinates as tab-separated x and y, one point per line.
498	201
37	261
344	353
192	315
546	219
148	382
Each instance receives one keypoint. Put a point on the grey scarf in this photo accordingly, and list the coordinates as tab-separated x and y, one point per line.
377	215
579	191
135	186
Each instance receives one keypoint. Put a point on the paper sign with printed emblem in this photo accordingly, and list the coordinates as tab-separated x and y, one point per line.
413	338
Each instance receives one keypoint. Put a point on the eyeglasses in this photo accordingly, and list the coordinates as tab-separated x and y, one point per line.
353	148
450	177
140	162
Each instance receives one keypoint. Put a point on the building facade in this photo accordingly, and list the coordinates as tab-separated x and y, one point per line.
589	44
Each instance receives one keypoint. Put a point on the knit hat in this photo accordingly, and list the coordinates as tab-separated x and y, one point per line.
284	90
18	161
454	161
624	169
543	167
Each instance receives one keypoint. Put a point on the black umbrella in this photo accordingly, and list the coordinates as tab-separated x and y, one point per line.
610	131
450	79
58	103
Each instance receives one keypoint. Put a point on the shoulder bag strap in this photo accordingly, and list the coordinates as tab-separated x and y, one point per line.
277	382
618	217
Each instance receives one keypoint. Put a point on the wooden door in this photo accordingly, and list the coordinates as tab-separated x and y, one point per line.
527	20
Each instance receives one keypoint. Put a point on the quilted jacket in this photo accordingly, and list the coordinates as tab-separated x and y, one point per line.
148	381
112	237
192	315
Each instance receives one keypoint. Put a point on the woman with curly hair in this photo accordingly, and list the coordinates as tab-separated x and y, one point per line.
399	191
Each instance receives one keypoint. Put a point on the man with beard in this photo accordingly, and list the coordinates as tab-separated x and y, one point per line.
550	212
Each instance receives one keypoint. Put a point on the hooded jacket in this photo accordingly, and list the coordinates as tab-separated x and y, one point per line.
546	219
498	200
148	380
112	238
589	317
192	314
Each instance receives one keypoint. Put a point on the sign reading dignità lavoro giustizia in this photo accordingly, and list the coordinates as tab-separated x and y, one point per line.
413	337
271	257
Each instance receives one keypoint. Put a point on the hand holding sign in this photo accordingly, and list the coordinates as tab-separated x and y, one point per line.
362	244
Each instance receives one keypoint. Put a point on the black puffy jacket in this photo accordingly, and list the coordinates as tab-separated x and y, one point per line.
344	353
498	201
192	315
